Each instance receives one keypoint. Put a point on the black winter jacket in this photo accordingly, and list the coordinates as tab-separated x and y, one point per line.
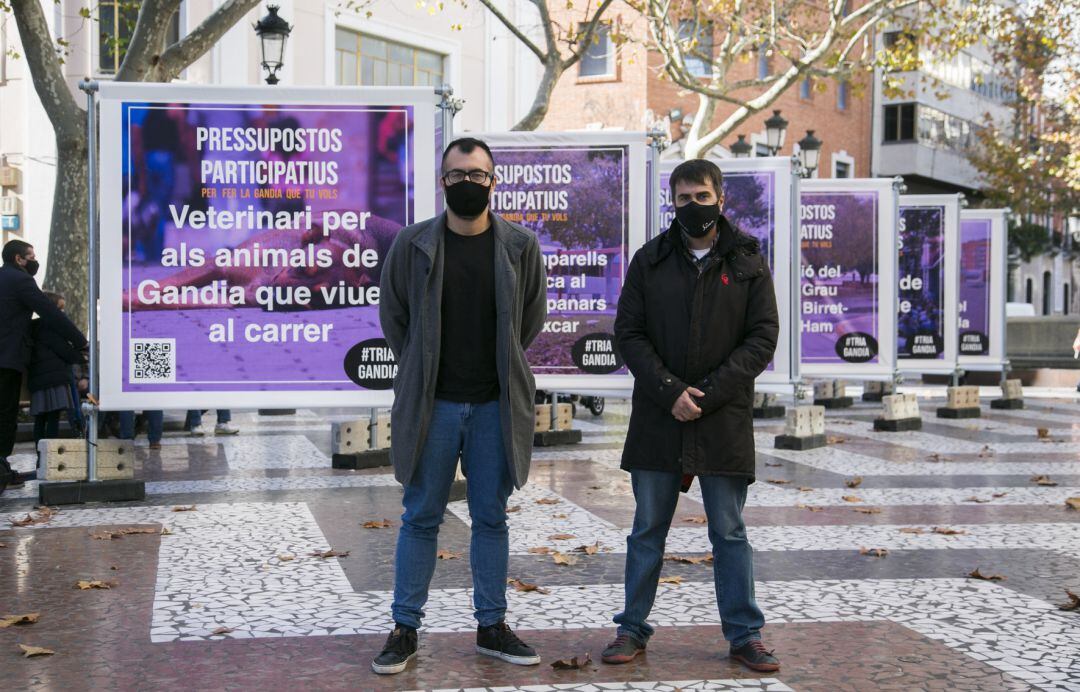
51	359
20	298
715	330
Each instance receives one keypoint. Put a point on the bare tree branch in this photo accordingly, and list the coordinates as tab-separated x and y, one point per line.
49	83
187	50
505	21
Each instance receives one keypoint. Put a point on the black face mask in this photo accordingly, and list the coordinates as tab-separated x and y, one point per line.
467	199
697	219
31	267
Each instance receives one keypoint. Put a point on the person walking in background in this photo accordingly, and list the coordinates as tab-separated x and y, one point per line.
696	323
193	423
49	375
20	298
155	424
462	296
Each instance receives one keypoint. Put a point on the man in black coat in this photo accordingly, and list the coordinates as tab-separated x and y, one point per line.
696	323
20	298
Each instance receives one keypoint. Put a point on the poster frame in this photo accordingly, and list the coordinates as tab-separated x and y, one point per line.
888	190
951	291
638	153
425	100
996	360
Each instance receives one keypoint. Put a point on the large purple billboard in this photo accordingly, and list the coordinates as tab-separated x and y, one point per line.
250	240
576	199
975	283
841	279
921	269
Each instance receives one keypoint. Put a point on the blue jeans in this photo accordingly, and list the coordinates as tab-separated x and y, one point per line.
194	417
474	431
155	420
656	494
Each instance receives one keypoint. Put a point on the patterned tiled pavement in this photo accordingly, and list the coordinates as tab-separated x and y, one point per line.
228	595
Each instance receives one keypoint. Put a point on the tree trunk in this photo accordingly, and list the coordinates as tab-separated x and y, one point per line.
552	71
68	264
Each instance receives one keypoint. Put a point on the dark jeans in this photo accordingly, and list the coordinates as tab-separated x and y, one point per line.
46	426
656	494
155	420
474	432
10	386
194	417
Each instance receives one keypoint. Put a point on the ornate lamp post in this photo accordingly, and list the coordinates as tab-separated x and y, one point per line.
809	153
272	31
741	149
775	132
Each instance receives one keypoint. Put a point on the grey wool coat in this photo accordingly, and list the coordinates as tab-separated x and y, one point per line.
410	312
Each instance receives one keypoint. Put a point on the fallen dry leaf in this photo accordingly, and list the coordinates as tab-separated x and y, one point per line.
3	545
575	663
1043	433
804	489
946	531
541	550
548	501
851	498
836	439
985	452
94	584
689	560
563	559
777	481
1072	503
853	482
286	558
524	586
866	510
29	651
558	516
184	509
876	552
811	508
330	553
27	619
1073	604
773	463
973	498
999	495
103	535
221	630
515	508
671	580
986	577
562	537
447	555
165	531
911	529
377	524
588	549
934	457
697	520
25	521
1043	480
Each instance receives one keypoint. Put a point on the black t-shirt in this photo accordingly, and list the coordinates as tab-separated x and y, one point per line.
467	371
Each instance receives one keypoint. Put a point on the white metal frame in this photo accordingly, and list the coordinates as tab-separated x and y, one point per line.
112	95
950	209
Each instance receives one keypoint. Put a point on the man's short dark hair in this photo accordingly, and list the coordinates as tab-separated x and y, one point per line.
698	171
467	145
15	248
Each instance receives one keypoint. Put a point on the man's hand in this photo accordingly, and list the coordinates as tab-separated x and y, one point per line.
1076	341
685	410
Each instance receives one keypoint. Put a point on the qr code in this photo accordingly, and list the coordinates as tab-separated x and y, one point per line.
153	360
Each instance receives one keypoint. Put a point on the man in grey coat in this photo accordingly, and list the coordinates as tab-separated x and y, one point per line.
462	296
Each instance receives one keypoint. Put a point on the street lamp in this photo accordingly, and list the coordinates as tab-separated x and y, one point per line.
809	153
742	148
775	131
272	31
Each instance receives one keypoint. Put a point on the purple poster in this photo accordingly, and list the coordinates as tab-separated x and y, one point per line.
974	287
576	199
253	240
921	318
839	286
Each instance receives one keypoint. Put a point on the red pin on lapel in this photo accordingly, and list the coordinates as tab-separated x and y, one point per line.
725	279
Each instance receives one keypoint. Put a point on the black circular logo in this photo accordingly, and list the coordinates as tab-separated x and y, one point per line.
857	347
925	344
596	354
974	344
371	364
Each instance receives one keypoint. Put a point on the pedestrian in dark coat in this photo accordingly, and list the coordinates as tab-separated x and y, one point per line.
696	323
49	375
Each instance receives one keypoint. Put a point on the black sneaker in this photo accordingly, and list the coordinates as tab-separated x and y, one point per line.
499	641
624	649
400	648
9	477
755	656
